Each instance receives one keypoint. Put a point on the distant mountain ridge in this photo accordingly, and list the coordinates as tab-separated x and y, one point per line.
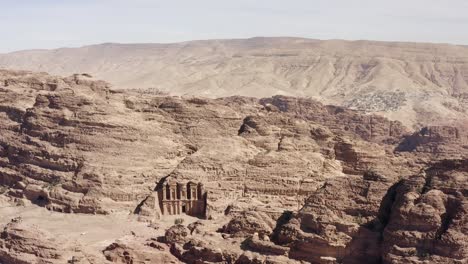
416	83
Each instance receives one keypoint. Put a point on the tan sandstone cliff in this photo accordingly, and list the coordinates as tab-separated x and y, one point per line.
287	179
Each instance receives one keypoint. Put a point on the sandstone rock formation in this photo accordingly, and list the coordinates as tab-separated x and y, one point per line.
438	142
287	179
129	250
27	244
81	147
419	219
416	83
204	247
428	218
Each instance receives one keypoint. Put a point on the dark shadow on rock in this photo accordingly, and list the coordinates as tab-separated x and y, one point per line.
282	220
409	143
366	246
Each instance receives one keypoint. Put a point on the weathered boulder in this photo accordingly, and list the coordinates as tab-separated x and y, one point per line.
177	234
249	222
131	250
23	244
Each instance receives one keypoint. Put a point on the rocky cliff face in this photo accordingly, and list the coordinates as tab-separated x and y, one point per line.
415	220
285	177
427	220
28	244
437	142
80	147
418	84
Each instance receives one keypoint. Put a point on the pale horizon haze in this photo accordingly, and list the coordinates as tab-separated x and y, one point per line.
49	24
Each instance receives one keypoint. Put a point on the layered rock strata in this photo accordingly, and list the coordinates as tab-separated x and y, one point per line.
286	179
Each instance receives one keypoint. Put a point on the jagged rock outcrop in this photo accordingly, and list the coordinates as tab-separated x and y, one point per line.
23	244
207	246
149	209
131	250
177	234
249	222
265	246
427	220
441	142
418	219
340	120
329	225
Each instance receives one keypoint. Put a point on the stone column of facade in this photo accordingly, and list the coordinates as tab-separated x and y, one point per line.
173	190
164	192
201	199
190	188
182	191
173	187
193	189
200	190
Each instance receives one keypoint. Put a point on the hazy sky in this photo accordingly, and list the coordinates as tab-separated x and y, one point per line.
28	24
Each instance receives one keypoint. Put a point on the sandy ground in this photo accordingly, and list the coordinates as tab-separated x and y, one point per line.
84	232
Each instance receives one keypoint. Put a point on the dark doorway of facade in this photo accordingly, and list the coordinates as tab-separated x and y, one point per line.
184	208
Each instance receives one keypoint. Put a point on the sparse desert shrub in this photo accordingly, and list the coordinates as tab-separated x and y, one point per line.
359	219
423	254
53	183
371	175
129	104
179	221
